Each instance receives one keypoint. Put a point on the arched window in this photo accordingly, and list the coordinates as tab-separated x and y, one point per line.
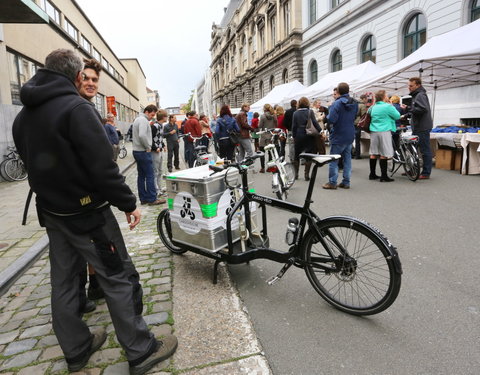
336	61
272	82
253	95
369	49
475	10
313	72
285	76
415	34
260	89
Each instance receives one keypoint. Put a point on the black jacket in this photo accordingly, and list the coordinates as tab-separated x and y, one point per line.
420	110
60	137
288	118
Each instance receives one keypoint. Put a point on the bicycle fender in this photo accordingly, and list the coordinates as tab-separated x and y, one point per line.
392	249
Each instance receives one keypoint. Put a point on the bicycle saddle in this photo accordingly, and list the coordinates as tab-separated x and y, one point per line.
319	159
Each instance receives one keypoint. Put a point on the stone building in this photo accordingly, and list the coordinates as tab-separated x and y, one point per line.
256	47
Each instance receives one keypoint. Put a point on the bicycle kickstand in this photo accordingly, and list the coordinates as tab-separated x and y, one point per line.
275	279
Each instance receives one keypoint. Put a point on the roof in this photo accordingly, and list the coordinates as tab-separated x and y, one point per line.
229	12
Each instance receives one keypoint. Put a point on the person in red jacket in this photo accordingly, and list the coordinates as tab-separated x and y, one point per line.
192	126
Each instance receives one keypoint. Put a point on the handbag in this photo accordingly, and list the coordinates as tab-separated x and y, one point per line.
364	123
310	129
234	136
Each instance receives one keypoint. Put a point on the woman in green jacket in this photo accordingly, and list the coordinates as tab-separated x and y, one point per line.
383	116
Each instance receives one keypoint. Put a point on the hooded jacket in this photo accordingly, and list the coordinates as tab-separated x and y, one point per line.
60	137
342	115
420	110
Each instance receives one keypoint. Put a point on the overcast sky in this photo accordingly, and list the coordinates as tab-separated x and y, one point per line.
170	38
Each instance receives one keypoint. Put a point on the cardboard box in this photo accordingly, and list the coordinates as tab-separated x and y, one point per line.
458	160
445	159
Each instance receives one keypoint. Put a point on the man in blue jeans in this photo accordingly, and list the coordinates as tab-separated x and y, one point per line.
142	143
422	123
341	118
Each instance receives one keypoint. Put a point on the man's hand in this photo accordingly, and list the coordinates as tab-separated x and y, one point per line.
136	216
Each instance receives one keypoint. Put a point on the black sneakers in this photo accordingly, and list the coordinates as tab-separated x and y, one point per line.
95	293
99	337
165	348
88	307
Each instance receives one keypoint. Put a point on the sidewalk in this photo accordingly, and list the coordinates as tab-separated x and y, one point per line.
215	334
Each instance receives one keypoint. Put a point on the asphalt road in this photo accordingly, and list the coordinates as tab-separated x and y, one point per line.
434	325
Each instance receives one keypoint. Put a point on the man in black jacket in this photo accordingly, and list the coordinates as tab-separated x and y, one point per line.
60	137
287	122
422	123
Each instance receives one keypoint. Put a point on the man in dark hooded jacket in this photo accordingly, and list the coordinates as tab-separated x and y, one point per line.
341	117
60	137
422	123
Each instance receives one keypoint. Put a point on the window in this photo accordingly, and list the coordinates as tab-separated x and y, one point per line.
336	61
53	13
111	70
253	94
369	49
273	30
85	44
261	36
415	34
105	63
285	75
20	71
313	72
336	3
312	11
475	10
286	18
100	104
70	29
272	82
96	55
260	89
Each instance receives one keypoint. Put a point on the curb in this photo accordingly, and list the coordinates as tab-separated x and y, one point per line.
13	272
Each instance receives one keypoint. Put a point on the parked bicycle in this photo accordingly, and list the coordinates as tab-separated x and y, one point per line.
350	263
12	167
406	155
283	173
202	156
122	152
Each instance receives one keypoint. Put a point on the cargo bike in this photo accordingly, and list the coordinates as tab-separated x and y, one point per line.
350	263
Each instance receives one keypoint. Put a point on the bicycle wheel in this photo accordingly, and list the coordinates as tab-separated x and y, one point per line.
2	171
122	153
15	170
281	191
412	163
164	228
365	274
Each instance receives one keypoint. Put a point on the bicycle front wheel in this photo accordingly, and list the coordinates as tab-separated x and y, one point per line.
164	228
289	175
122	153
412	163
15	170
364	277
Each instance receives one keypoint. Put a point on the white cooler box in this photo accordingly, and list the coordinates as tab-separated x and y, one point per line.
199	203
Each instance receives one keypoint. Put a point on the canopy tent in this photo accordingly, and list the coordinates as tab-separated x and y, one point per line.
445	61
352	75
279	95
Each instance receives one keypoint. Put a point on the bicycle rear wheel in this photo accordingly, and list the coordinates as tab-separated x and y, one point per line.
281	190
122	153
15	170
290	175
412	163
164	228
2	171
364	278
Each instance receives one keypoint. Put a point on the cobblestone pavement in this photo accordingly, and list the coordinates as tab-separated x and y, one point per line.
215	334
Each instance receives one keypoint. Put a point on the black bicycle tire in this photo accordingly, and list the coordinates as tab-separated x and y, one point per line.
362	270
164	216
2	171
410	149
19	168
122	153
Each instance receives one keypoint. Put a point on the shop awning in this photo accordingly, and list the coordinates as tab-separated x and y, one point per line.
21	11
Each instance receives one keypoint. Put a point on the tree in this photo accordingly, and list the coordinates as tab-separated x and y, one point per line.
188	107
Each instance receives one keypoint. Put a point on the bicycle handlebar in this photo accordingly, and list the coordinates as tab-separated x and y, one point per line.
240	166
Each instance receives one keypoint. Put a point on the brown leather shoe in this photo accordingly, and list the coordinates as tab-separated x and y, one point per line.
329	186
157	202
424	177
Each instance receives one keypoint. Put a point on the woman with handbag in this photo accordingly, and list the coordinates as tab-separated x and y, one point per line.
225	125
383	116
267	121
304	127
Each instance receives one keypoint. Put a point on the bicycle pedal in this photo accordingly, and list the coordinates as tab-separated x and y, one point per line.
273	280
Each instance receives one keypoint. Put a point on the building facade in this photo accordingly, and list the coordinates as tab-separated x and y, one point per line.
256	46
338	34
24	46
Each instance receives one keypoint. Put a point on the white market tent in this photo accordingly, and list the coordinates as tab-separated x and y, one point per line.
280	94
352	75
445	61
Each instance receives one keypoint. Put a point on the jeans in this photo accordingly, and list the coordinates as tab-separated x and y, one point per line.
157	159
146	177
245	148
173	148
189	153
424	144
346	152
